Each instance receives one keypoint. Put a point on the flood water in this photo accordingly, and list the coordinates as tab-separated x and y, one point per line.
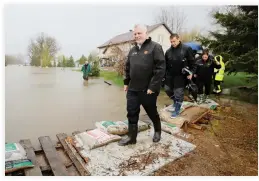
48	101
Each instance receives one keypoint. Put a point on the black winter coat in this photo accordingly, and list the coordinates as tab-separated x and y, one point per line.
145	67
176	59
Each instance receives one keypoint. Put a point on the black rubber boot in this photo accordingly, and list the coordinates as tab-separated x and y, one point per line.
132	136
157	130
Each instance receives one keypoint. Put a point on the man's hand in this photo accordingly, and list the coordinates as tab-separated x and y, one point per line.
195	75
189	77
125	88
149	91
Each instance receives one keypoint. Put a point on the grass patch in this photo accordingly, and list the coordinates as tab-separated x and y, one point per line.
230	81
237	80
112	76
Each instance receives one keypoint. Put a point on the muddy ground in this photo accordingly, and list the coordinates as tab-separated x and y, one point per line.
229	145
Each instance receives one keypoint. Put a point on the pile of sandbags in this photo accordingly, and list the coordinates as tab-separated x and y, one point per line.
105	133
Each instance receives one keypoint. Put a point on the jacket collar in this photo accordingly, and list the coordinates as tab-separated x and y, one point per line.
178	46
145	42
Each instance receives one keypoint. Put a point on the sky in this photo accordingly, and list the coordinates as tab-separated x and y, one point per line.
81	28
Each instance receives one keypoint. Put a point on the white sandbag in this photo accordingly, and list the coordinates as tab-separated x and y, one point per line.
12	166
103	125
16	158
119	127
14	151
95	138
169	128
209	104
141	125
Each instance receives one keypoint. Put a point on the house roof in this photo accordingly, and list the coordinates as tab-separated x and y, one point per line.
126	37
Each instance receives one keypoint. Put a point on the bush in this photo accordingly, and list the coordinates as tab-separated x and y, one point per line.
95	69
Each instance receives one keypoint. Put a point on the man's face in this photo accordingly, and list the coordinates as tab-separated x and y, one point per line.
174	41
140	35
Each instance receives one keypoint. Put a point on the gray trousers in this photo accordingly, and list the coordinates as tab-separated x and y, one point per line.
177	94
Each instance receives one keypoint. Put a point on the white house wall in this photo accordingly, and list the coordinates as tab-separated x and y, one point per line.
162	32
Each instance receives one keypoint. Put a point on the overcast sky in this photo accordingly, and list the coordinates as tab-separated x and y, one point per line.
81	28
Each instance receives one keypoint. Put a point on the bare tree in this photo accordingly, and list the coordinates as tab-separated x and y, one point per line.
191	35
119	54
173	18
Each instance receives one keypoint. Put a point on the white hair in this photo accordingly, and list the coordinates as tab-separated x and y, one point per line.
141	26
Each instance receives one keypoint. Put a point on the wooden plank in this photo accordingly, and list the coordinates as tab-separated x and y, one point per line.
73	155
197	126
185	126
35	171
58	168
107	83
38	151
201	116
48	168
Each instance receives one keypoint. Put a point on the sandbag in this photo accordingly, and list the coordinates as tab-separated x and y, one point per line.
185	105
141	125
14	151
16	158
209	104
95	138
191	114
11	166
169	128
119	127
176	131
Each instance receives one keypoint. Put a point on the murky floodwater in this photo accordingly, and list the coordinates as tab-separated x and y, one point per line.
44	102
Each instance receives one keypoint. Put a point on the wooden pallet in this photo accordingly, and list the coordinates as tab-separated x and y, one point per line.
53	159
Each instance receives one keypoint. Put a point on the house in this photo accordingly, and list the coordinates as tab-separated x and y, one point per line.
119	46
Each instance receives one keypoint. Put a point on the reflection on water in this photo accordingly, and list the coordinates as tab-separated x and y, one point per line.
44	102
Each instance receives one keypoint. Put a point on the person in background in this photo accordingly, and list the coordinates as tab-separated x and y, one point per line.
177	57
144	71
218	74
86	69
204	72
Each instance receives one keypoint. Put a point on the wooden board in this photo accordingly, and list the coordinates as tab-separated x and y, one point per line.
35	171
55	163
67	162
38	151
73	155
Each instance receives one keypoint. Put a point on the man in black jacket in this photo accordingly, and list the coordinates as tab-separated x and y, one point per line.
177	57
144	71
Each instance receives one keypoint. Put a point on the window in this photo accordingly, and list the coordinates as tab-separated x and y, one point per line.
160	39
